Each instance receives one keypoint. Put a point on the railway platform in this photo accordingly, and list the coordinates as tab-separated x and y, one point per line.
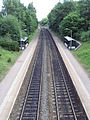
79	76
11	84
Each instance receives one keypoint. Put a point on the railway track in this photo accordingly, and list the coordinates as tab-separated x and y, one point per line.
30	110
67	103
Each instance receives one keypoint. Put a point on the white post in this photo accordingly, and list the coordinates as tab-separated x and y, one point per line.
71	33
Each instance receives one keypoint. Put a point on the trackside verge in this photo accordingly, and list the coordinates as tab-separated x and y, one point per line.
10	86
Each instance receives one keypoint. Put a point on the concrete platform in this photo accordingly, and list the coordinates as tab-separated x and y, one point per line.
10	86
79	76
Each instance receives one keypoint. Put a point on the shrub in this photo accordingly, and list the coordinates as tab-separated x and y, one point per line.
73	22
9	25
9	44
76	35
85	36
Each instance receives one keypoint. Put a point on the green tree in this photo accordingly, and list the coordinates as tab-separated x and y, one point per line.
10	25
11	7
44	21
58	13
84	8
31	20
72	22
26	16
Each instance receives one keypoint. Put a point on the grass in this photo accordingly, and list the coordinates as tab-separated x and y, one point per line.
8	58
83	55
33	35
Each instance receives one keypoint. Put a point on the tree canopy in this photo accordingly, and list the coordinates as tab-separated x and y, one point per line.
74	15
10	25
16	21
72	22
26	16
44	21
58	13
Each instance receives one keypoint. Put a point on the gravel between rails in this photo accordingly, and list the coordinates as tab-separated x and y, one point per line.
44	100
51	97
47	106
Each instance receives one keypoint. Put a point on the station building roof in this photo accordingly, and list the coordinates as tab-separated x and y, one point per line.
24	39
69	38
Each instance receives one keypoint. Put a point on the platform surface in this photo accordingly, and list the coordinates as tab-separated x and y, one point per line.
11	84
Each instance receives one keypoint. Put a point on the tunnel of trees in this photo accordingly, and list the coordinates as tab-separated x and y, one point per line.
16	21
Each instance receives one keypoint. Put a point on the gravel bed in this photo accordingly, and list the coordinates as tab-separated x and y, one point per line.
44	94
47	107
51	97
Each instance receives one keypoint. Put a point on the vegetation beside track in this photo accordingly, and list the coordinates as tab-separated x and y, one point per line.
8	58
33	35
71	18
16	23
83	55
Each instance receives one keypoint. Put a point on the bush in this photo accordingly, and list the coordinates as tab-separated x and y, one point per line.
85	36
9	44
73	22
9	25
76	35
44	21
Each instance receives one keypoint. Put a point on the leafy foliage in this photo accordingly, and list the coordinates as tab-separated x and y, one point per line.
9	44
44	21
18	21
85	36
26	16
84	8
58	13
71	16
72	22
31	20
10	25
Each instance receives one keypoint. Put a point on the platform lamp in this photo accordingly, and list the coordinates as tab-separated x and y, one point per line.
21	40
70	31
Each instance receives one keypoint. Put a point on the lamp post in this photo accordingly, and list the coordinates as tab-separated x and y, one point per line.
70	31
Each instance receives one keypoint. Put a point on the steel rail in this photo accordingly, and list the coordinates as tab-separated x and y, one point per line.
39	98
54	50
75	116
63	86
31	78
57	108
66	87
